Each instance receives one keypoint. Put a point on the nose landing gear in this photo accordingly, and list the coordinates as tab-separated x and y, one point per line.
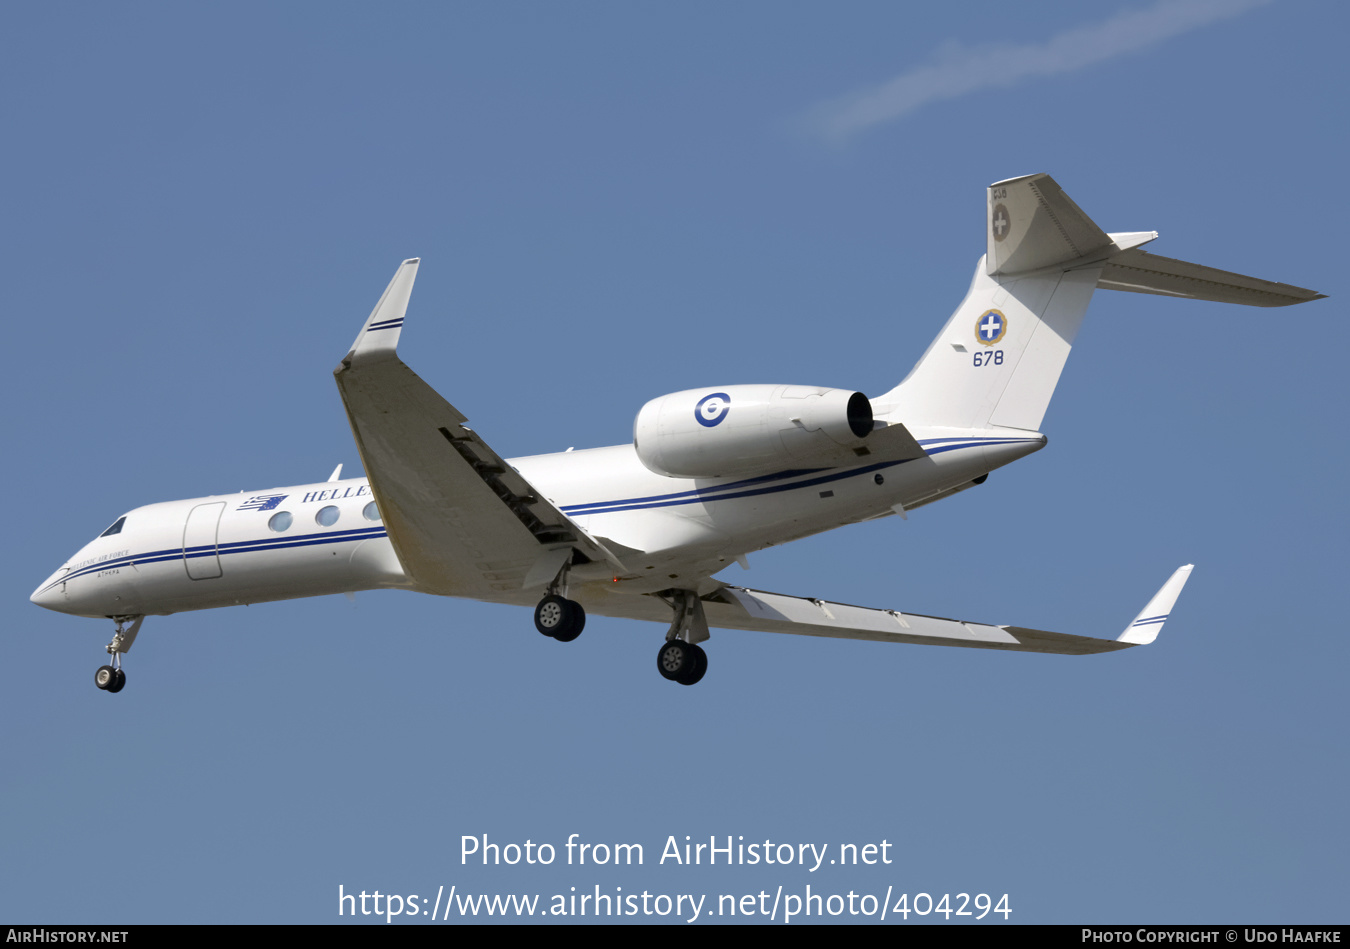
112	678
109	679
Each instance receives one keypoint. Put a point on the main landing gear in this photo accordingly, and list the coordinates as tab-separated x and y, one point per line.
681	662
556	616
559	618
112	678
681	659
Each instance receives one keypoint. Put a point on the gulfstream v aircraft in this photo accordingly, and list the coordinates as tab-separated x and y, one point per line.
640	531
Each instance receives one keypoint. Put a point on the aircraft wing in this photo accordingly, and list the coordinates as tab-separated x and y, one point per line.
463	521
734	607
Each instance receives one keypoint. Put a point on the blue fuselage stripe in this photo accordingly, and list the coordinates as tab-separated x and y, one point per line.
733	491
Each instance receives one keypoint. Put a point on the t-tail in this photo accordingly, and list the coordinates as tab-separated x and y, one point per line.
996	362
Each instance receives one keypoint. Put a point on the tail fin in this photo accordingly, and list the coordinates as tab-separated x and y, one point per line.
1033	224
998	359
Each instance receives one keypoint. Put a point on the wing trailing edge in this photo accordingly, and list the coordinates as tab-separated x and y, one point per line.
739	608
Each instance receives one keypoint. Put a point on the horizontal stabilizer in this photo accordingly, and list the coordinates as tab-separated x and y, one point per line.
1140	272
1147	624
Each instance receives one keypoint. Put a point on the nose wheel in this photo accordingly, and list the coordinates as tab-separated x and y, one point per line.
111	678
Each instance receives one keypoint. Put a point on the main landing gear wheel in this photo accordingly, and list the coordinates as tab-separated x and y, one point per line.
681	662
560	618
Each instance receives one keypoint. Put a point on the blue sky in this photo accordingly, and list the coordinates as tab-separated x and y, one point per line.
611	202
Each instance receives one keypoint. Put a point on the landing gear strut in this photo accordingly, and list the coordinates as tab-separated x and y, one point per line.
112	678
680	658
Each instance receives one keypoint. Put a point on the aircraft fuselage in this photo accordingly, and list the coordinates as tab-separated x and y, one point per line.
227	550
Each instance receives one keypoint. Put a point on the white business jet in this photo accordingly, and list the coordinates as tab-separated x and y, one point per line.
639	531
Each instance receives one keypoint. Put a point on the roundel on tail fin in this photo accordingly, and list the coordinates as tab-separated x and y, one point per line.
1000	222
991	327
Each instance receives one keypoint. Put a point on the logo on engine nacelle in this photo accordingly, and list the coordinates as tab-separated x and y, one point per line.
712	408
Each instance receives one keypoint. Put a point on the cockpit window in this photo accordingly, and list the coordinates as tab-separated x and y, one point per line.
116	528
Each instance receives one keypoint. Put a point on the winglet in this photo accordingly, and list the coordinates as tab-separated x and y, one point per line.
379	336
1147	624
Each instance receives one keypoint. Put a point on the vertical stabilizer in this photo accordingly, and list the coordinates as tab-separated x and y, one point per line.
997	360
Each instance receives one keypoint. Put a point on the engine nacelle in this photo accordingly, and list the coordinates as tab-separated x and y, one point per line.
742	431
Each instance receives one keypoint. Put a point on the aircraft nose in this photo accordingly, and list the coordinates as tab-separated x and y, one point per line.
49	594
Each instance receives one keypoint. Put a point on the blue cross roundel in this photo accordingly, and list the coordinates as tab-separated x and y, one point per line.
990	327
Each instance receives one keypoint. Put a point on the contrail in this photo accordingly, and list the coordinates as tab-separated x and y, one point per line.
958	70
